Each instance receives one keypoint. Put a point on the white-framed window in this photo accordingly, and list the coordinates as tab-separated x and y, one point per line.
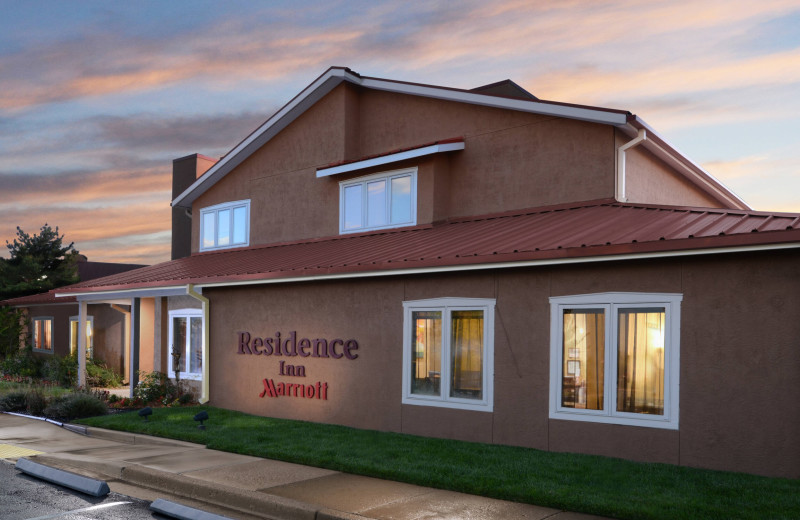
615	358
73	335
380	201
448	353
186	340
225	225
42	336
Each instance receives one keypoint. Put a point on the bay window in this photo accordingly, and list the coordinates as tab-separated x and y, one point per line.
614	358
381	201
186	343
448	353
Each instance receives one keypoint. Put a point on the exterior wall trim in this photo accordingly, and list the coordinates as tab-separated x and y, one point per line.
388	159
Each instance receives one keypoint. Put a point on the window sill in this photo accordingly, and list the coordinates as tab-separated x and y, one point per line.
481	406
651	421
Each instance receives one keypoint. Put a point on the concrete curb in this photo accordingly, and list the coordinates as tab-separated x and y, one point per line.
181	512
128	438
90	486
251	502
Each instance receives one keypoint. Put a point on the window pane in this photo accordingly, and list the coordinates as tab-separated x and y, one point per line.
376	203
401	199
224	227
179	344
196	345
73	336
240	225
467	354
352	207
208	230
640	362
582	380
89	339
43	334
426	352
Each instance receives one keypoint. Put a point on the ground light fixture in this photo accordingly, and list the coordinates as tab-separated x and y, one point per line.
146	412
202	416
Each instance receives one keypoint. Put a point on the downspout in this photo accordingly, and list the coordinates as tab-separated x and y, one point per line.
620	184
204	301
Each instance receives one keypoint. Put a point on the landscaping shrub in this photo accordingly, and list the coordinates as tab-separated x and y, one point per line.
99	375
13	402
76	406
24	364
62	371
156	386
35	402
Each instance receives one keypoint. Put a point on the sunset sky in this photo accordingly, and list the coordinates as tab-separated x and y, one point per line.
98	97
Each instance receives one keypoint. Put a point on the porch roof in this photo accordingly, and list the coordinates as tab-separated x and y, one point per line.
585	232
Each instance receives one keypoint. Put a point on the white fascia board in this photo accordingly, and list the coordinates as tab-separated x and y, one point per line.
102	296
536	107
509	265
392	158
280	120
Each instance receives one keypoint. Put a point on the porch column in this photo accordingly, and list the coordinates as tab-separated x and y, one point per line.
133	375
82	344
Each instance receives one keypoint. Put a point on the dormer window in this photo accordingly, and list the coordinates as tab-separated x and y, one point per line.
225	225
381	201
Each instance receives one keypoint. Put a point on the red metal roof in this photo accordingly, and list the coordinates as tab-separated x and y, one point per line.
591	229
45	298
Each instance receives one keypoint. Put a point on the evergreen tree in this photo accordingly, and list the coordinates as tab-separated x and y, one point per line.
37	263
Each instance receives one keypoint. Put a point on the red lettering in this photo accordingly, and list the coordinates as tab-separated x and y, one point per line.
269	389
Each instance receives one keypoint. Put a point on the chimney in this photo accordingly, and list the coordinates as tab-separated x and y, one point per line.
185	171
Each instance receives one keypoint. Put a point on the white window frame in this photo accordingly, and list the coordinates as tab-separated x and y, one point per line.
52	321
215	210
188	314
363	181
446	306
610	302
90	340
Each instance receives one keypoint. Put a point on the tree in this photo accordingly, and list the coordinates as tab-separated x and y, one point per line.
13	331
37	263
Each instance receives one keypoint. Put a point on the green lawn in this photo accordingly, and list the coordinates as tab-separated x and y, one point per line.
588	484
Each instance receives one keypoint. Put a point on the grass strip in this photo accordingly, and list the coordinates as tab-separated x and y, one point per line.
582	483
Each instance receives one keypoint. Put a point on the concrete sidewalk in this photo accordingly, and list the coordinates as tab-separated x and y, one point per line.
240	486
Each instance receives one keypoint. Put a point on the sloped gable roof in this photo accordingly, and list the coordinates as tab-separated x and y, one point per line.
625	121
586	232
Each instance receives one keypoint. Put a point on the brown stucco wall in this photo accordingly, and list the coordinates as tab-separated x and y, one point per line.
511	160
649	180
738	375
60	314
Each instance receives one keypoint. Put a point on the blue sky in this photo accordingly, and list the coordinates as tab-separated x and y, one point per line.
97	98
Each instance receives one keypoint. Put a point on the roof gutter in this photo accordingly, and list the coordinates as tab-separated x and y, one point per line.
206	322
620	184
